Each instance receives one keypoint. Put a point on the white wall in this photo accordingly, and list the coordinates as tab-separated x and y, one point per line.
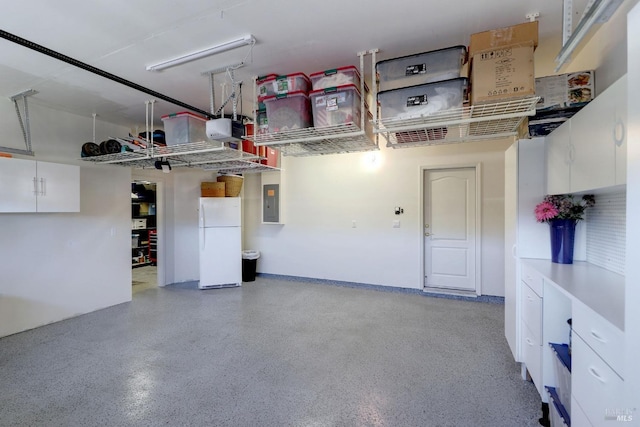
56	266
324	194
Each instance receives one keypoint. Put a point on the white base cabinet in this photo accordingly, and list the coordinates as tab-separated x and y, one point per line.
34	186
594	299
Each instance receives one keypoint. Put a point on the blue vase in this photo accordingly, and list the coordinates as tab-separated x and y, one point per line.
563	233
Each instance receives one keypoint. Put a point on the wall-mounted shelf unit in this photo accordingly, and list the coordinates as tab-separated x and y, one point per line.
209	155
472	123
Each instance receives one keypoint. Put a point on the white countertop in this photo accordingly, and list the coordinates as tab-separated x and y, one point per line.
599	289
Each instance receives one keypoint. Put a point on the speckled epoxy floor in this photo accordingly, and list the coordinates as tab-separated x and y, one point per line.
271	353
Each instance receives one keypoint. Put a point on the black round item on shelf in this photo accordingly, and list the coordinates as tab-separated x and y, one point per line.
158	136
110	146
90	149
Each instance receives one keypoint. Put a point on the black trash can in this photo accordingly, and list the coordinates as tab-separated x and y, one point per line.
249	262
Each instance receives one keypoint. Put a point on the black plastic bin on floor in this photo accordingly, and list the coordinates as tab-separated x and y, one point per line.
249	262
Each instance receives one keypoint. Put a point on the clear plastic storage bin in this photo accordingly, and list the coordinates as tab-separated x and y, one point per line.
336	77
288	111
421	68
335	106
422	100
183	128
264	86
297	82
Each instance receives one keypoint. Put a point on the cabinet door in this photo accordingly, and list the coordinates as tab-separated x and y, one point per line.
558	165
58	187
594	154
17	185
511	321
619	93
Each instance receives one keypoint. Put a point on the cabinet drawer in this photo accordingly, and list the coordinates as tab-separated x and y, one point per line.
595	386
531	305
531	277
604	338
532	356
578	417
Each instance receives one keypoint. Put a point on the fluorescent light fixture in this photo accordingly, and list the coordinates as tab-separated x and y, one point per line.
599	12
219	48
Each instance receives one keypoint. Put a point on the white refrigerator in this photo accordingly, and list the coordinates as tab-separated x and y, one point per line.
220	242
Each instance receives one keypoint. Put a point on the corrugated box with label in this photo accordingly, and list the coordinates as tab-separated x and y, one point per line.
565	90
503	73
506	36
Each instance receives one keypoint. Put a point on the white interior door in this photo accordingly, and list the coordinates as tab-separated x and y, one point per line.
450	229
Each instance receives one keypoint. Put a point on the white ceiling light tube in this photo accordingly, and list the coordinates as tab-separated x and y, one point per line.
219	48
599	11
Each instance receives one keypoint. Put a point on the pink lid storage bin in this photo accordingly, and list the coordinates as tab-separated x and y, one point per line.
336	106
288	111
297	82
264	86
183	128
336	77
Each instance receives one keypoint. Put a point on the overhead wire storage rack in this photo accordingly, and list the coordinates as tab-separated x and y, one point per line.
471	123
312	141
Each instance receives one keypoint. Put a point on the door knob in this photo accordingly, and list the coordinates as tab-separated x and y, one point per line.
427	234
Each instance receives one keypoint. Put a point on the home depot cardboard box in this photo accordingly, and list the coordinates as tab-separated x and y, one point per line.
506	36
503	73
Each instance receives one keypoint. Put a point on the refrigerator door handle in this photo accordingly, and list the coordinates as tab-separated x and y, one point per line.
201	215
203	237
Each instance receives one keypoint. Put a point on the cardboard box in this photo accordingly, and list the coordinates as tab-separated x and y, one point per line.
502	74
565	90
212	189
506	36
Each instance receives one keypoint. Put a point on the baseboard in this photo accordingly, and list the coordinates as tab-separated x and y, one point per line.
382	288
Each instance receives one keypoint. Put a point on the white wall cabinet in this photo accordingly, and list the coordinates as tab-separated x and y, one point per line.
589	150
33	186
558	144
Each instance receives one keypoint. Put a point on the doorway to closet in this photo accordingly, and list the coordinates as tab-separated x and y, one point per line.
144	236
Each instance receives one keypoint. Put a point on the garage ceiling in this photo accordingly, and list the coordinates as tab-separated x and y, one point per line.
123	37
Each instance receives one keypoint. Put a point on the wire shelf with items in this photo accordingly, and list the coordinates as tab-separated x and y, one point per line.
476	122
196	154
344	138
239	167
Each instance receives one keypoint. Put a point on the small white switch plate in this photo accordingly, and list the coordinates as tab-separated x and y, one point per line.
353	223
396	223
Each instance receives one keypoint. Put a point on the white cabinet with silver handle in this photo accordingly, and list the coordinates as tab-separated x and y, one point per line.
33	186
